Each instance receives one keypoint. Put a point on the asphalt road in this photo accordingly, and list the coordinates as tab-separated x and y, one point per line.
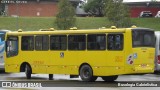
57	77
63	82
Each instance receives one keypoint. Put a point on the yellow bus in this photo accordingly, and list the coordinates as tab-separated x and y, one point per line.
89	54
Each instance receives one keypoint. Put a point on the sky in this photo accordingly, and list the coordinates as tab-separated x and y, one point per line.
137	0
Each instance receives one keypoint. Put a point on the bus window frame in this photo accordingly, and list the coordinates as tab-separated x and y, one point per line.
17	47
121	42
145	30
33	43
66	43
3	38
99	34
79	42
35	48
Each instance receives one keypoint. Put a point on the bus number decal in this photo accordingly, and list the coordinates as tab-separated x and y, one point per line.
38	62
119	59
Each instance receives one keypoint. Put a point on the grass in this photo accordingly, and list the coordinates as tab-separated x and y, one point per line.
153	23
36	23
26	23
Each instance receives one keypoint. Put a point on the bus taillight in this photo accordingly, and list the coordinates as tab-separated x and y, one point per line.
158	59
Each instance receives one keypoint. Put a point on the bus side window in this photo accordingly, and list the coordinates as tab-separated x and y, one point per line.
115	42
42	42
58	42
76	42
27	43
96	42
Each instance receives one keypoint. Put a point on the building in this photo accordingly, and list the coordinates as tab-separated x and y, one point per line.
32	8
137	7
49	8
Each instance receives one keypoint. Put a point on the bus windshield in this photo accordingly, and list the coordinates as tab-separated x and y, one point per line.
2	36
143	38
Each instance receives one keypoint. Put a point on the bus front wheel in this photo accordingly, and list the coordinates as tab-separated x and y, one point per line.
109	78
28	71
86	74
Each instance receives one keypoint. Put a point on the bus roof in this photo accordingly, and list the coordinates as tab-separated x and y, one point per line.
96	31
84	31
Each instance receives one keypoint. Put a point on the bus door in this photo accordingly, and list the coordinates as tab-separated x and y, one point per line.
11	64
143	47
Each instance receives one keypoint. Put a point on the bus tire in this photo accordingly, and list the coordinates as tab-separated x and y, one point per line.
50	76
109	78
28	71
86	74
157	72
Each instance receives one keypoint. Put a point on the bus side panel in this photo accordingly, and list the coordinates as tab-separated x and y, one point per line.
36	59
63	62
12	68
112	63
103	63
128	53
12	65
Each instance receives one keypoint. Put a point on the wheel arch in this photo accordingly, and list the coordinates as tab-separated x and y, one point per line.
83	65
23	65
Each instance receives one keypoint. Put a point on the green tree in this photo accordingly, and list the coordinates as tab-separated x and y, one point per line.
118	13
2	8
65	17
95	7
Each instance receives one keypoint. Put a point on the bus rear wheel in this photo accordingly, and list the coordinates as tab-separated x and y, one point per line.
28	71
86	74
109	78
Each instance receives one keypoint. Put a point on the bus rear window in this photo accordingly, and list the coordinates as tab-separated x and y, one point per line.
143	38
